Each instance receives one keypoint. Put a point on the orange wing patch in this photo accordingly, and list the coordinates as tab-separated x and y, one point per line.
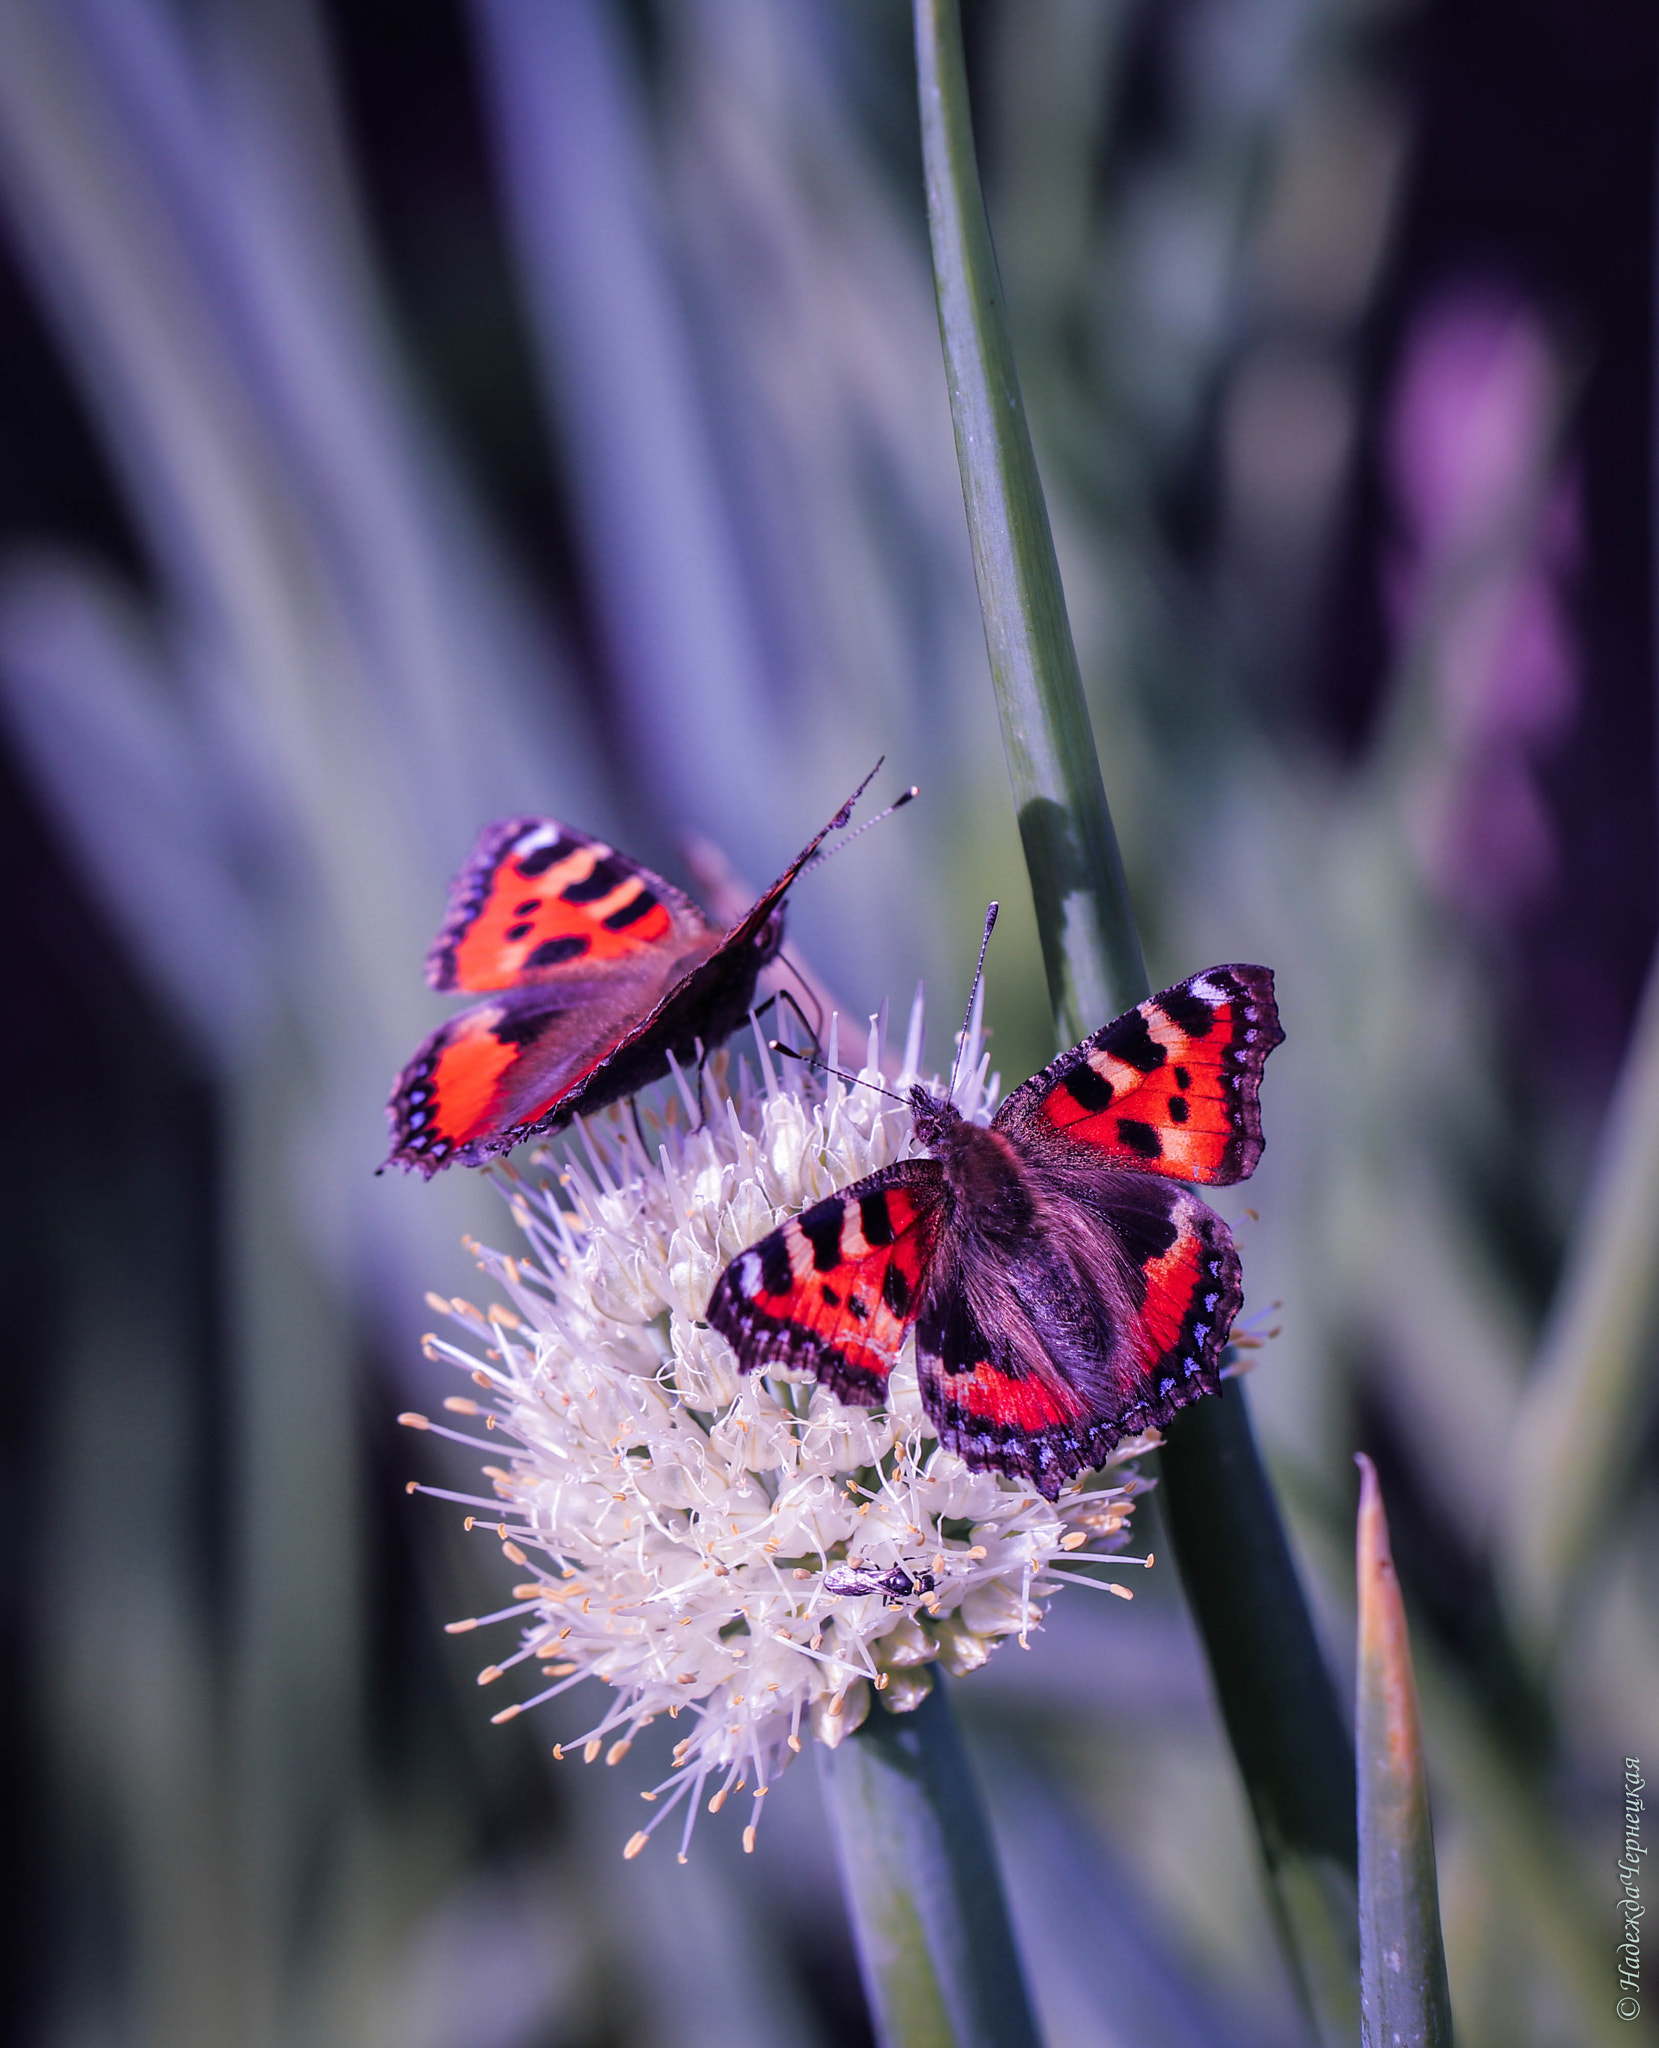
835	1289
538	901
998	1401
1193	1292
451	1091
1173	1085
484	1080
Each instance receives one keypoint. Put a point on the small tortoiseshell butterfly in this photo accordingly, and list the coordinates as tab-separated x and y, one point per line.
599	971
1066	1290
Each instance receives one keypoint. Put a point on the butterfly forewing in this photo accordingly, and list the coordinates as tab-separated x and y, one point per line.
834	1289
1170	1087
538	901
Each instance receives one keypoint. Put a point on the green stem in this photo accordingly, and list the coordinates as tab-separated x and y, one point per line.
923	1893
1276	1697
1275	1693
1091	950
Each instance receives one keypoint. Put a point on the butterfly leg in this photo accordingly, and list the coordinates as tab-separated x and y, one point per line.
783	996
702	1099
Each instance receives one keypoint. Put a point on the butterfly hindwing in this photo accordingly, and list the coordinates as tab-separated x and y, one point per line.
538	901
833	1290
992	1393
1115	1317
1170	1087
497	1073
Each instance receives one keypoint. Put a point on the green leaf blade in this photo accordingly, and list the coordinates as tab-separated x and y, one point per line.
1404	1994
1276	1696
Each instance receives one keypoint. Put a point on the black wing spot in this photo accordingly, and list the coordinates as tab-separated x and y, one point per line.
895	1289
515	932
1139	1137
605	877
776	1274
1179	1109
875	1218
1183	1077
1090	1091
821	1227
524	909
543	858
551	952
1129	1039
829	1294
630	913
857	1307
1146	1234
1188	1013
522	1026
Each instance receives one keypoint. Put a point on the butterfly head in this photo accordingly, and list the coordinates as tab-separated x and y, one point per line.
935	1119
982	1169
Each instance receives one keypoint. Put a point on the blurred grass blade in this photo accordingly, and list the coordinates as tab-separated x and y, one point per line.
1091	951
923	1892
1276	1695
1585	1408
1403	1989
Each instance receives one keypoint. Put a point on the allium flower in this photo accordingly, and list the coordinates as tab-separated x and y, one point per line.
746	1555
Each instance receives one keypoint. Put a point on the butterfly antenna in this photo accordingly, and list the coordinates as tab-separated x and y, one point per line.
840	846
811	1059
973	997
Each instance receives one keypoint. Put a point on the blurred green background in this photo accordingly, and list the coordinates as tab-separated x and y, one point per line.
414	414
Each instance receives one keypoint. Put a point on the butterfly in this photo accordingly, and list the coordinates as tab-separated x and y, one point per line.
597	971
1066	1286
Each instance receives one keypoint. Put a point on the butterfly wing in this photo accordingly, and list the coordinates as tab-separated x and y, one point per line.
577	942
601	971
503	1070
1037	1362
1170	1087
833	1290
538	902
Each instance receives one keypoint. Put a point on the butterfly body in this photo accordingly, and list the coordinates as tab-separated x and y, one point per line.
598	972
1066	1290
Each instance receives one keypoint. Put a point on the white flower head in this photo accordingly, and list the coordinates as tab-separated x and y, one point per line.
743	1554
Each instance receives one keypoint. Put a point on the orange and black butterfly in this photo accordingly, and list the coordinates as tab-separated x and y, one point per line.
1066	1288
597	970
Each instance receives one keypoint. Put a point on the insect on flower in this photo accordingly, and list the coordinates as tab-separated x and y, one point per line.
740	1553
